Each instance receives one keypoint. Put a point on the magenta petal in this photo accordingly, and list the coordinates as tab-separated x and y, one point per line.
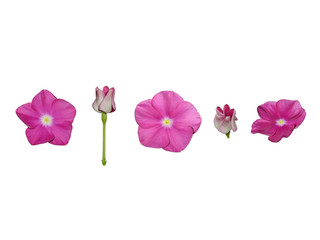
28	115
146	116
62	134
39	135
289	109
219	110
179	138
166	102
268	111
187	115
42	101
155	137
230	113
62	112
283	131
263	127
105	89
226	108
298	119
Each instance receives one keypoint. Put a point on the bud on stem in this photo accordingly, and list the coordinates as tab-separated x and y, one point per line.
104	121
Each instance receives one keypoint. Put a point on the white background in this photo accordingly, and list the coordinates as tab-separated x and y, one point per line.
243	53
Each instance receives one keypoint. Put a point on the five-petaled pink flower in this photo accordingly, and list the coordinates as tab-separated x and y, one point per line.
48	119
166	121
104	102
279	119
225	120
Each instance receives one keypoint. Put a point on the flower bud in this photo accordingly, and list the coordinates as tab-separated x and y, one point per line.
225	120
104	102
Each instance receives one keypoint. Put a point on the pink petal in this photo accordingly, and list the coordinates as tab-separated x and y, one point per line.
107	105
155	137
187	115
98	100
289	109
146	116
233	121
263	127
28	115
166	102
268	111
283	131
39	135
179	138
62	112
113	103
62	133
223	125
42	102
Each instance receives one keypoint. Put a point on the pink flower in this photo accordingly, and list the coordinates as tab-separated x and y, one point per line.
104	101
279	119
48	119
225	120
166	121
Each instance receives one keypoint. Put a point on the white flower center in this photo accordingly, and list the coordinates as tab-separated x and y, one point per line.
166	122
46	120
281	122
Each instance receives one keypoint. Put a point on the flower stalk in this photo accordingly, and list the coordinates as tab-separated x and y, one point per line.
104	121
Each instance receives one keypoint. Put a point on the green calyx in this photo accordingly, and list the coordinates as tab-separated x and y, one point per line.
228	135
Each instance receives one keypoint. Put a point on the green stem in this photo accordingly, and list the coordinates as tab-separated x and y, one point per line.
104	121
228	135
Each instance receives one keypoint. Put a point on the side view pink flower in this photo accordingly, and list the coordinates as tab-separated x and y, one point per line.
166	121
225	120
48	119
279	119
104	102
